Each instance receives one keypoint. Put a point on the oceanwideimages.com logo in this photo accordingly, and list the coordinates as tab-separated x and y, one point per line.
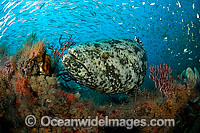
47	121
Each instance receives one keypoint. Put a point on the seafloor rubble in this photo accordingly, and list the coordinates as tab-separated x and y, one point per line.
30	84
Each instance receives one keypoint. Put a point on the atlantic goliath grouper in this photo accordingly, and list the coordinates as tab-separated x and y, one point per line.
107	66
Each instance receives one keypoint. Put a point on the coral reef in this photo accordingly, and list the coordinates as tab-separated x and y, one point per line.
30	85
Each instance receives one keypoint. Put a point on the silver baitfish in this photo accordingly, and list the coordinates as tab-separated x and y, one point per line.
107	66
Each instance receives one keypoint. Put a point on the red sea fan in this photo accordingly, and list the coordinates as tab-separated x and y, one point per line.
58	52
161	75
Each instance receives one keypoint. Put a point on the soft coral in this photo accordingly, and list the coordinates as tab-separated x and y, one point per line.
37	49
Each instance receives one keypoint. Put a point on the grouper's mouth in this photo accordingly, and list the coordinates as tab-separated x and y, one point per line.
75	58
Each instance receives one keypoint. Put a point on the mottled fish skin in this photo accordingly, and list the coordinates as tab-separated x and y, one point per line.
107	66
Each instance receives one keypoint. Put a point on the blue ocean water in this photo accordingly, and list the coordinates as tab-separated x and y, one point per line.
169	29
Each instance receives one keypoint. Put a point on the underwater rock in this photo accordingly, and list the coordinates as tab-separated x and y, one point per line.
107	66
